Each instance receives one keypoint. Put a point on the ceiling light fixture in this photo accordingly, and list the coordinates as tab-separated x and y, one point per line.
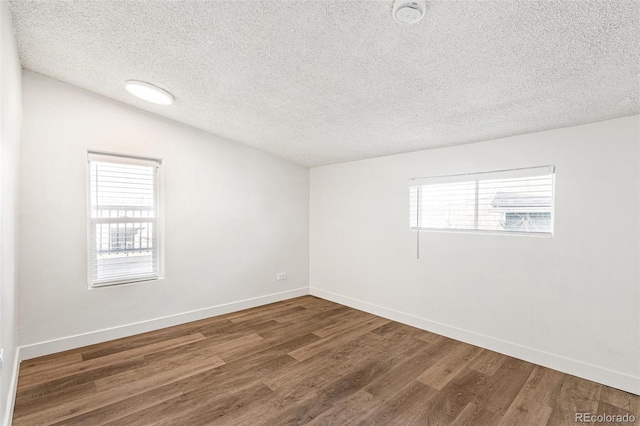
149	92
409	12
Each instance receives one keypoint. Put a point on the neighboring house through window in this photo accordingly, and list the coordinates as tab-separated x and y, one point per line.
524	212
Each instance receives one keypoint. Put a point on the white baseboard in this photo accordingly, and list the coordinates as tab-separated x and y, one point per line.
574	367
615	379
77	341
13	388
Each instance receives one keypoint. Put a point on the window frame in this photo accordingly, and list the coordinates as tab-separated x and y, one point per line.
158	221
476	177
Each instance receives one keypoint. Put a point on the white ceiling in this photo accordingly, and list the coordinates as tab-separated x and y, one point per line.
326	81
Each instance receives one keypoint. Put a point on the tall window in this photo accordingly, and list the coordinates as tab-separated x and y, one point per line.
516	201
123	219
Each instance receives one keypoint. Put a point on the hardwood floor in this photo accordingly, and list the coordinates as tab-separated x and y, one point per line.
302	361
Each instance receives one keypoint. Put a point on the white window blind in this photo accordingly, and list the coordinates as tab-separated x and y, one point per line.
123	219
515	201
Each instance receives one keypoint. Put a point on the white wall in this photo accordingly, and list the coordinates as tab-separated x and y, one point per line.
571	301
10	122
234	218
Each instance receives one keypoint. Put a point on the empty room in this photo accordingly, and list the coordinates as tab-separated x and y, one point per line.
322	212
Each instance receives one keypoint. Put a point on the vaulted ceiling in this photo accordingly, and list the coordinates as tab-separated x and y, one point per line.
326	81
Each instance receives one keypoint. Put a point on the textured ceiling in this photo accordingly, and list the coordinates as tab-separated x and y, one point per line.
325	81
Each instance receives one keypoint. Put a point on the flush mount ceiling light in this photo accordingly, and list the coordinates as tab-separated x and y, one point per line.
409	12
148	92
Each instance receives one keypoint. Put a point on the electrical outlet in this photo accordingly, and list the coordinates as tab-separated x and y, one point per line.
282	276
1	359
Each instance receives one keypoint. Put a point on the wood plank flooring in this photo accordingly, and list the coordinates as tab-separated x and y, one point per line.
302	361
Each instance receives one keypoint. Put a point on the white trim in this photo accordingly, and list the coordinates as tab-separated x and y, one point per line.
484	232
79	340
616	379
112	157
486	175
13	388
157	220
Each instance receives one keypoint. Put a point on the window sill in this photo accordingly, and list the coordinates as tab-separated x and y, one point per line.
123	283
471	231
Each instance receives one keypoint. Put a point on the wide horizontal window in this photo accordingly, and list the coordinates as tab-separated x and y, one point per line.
124	230
514	201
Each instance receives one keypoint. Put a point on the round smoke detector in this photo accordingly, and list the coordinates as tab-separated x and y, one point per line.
409	12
